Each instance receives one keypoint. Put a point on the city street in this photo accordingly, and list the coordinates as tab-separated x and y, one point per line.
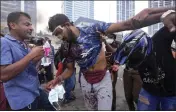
42	42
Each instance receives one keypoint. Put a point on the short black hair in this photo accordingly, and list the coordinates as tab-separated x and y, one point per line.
14	17
58	19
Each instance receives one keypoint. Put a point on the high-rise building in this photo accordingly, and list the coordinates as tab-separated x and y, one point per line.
15	5
76	9
125	9
8	7
154	4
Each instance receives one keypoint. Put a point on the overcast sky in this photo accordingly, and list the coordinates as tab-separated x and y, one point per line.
103	11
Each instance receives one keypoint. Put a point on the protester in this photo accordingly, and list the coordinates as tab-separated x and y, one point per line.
18	71
156	65
131	79
111	44
88	53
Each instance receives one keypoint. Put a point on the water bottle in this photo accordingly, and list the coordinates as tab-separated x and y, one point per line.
46	60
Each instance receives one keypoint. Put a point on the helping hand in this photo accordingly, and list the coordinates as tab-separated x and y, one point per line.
115	67
53	83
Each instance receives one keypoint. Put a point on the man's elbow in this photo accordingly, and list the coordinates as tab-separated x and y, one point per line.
5	76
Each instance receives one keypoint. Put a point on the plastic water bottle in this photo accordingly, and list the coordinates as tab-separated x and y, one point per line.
46	60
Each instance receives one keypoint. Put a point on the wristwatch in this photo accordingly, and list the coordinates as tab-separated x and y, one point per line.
166	14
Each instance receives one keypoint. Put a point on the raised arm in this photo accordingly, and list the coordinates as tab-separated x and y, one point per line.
146	17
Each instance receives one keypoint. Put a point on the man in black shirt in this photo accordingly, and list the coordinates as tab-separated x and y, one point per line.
154	60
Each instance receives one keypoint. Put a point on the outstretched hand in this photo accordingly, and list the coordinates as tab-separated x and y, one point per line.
51	84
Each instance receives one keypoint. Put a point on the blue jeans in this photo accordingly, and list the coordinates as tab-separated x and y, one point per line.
40	103
150	102
69	84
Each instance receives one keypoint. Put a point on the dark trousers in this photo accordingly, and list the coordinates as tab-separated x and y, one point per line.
48	76
69	85
132	86
114	81
40	103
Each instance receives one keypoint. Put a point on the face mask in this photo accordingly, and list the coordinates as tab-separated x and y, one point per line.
109	41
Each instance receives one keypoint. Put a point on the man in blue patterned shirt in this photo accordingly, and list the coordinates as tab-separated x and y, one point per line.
86	49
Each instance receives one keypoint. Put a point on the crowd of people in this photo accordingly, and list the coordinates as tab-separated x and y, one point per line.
150	62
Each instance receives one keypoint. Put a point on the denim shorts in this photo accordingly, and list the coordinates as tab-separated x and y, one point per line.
69	85
150	102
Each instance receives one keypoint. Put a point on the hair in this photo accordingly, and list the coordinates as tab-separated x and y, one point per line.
58	19
14	17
